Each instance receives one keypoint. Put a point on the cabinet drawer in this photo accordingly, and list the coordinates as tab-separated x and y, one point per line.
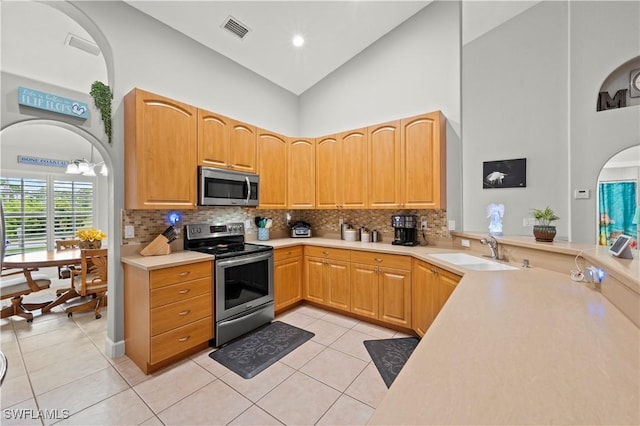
327	253
180	339
181	291
379	259
177	274
164	318
287	253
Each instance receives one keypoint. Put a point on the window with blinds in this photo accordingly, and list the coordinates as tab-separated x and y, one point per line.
73	208
39	211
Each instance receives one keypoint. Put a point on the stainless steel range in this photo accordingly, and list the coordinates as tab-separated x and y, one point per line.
243	282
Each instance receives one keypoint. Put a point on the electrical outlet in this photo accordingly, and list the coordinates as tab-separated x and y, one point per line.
340	222
247	224
465	243
452	225
129	231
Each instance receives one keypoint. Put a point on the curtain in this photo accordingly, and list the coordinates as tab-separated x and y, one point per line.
616	210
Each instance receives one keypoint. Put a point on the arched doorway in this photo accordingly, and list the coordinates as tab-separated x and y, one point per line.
619	197
51	58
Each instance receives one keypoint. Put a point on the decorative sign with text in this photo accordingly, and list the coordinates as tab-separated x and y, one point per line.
36	161
49	102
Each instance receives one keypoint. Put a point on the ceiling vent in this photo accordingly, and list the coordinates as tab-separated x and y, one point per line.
82	44
235	27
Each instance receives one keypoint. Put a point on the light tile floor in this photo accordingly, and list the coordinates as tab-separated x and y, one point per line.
58	374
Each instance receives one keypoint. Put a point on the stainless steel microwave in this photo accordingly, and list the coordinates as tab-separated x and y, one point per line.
220	187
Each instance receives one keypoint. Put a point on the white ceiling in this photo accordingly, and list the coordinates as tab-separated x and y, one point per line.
335	32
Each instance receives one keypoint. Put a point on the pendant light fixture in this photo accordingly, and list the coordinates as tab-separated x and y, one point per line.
86	168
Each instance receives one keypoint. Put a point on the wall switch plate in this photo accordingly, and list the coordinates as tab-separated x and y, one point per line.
581	194
247	224
129	231
452	225
465	243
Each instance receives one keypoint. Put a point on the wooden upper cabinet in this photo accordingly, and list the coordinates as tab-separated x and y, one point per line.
225	143
352	170
213	139
160	152
242	148
424	159
272	168
384	153
327	164
301	170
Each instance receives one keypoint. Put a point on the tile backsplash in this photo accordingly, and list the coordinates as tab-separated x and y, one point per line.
324	223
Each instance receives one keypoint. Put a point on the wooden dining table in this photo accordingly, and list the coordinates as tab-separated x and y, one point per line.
44	259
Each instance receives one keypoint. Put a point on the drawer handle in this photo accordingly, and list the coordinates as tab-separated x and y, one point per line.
325	253
377	259
186	312
289	252
184	291
184	273
184	339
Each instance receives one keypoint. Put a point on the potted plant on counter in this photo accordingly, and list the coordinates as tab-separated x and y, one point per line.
544	231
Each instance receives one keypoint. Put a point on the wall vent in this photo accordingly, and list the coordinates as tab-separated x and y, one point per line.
82	44
236	27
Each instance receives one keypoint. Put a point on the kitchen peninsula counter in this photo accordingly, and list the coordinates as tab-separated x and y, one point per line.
518	347
513	347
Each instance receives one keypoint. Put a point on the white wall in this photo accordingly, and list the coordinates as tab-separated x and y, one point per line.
604	35
412	70
514	85
529	90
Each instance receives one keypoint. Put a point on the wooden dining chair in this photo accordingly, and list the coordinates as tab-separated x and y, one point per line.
15	284
90	281
64	271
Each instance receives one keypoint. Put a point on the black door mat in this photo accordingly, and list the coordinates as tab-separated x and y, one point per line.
255	351
390	355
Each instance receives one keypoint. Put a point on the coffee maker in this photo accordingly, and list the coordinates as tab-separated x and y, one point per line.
405	232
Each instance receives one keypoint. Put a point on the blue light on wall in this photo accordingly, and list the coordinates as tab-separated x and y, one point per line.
174	217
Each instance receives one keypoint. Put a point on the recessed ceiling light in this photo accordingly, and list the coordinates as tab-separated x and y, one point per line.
298	41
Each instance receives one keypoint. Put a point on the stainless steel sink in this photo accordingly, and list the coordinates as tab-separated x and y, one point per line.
474	263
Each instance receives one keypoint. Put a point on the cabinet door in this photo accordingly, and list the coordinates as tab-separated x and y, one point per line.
395	296
302	174
242	148
213	139
424	156
337	284
364	290
314	278
352	180
160	152
272	168
327	155
447	282
384	165
424	296
287	277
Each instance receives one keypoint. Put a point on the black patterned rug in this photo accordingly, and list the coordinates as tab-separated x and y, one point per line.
390	355
257	350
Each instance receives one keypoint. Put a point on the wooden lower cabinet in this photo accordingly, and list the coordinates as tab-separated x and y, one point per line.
168	313
431	287
287	277
327	277
381	287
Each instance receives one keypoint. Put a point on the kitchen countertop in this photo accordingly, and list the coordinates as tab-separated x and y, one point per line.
177	258
518	347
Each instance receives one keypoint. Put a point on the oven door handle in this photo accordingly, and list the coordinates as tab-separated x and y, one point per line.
248	190
242	260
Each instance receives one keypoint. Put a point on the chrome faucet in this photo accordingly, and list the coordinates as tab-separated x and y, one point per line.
493	246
